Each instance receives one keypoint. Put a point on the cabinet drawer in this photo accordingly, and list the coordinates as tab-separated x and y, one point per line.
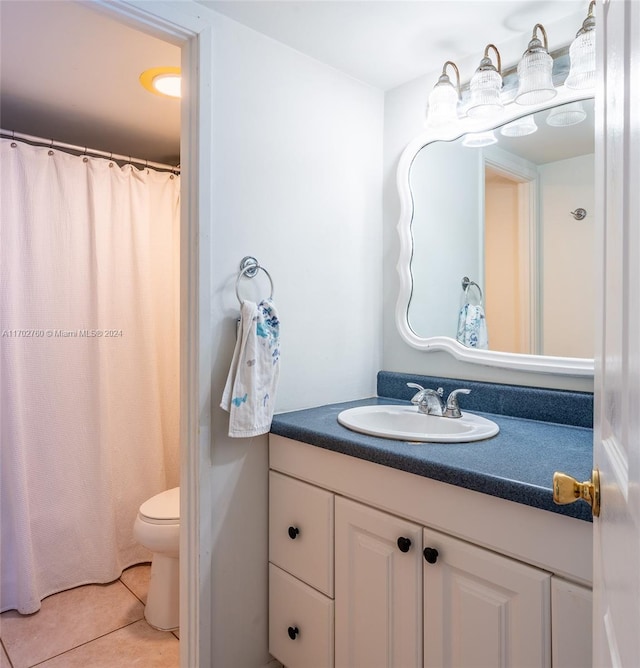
300	622
301	531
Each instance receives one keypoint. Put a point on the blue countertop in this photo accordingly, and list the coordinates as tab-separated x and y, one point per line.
517	464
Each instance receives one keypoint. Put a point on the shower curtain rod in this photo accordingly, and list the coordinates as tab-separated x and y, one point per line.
82	150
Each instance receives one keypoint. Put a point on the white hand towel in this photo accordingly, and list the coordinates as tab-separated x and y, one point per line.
250	392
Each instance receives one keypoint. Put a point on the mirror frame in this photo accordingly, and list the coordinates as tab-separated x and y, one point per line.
572	366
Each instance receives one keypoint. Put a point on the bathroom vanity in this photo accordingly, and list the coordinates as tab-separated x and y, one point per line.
389	553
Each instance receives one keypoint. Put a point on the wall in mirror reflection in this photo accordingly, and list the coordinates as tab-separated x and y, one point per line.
502	215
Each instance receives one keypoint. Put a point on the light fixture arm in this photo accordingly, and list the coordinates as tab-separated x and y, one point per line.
457	71
498	59
544	35
590	22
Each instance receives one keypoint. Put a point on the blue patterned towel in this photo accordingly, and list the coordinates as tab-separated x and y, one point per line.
250	392
472	326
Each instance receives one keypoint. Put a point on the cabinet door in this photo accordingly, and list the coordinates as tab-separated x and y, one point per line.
483	610
571	607
378	592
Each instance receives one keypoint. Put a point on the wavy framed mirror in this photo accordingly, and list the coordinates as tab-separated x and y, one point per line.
509	206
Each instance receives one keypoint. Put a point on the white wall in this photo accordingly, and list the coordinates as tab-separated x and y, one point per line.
404	120
297	183
568	248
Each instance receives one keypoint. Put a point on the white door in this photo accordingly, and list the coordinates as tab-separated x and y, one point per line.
617	383
378	586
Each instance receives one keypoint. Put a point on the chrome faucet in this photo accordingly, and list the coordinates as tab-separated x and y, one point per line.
430	402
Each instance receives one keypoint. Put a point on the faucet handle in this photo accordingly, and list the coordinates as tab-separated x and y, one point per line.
452	409
416	397
423	392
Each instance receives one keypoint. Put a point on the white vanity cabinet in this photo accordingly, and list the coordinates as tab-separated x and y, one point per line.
401	571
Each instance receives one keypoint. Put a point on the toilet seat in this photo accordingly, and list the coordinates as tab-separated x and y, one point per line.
163	508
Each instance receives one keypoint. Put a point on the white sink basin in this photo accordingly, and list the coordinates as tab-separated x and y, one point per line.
405	423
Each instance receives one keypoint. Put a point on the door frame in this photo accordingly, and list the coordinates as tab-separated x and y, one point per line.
189	26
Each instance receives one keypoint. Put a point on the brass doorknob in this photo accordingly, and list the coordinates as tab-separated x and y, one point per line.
567	490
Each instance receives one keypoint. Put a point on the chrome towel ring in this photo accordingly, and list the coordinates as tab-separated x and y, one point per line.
249	267
467	283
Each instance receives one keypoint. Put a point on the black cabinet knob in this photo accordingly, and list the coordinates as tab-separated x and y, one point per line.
293	632
404	544
430	554
293	532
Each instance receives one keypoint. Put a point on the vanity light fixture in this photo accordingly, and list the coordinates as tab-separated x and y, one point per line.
582	54
535	71
519	128
442	108
479	139
485	87
164	81
567	114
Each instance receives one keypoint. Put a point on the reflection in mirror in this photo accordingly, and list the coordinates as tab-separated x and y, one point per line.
502	209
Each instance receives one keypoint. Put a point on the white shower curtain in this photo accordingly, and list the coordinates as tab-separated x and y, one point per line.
89	383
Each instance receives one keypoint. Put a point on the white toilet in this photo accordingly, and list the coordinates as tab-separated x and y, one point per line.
157	527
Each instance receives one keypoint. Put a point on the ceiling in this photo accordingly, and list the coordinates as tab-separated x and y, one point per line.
70	73
388	42
73	74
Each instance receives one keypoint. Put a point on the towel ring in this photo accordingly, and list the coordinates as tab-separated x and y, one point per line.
249	267
467	283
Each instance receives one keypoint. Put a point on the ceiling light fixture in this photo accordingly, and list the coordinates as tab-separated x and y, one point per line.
485	86
582	54
535	71
164	81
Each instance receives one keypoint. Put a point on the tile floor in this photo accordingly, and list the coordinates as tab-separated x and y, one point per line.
101	626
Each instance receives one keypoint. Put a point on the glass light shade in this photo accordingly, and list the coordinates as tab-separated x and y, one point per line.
485	87
479	139
535	75
443	103
582	56
568	114
520	128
